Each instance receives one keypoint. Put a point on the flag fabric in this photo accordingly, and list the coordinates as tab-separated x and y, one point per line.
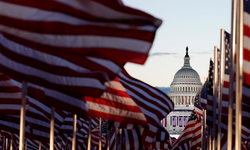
154	104
246	63
50	97
204	94
62	46
180	121
162	139
190	137
174	122
116	105
10	96
163	122
197	106
209	106
185	120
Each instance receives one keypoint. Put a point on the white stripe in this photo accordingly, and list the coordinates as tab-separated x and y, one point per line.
106	63
246	18
10	106
115	111
169	106
43	57
119	99
66	99
35	14
56	79
81	41
16	95
102	11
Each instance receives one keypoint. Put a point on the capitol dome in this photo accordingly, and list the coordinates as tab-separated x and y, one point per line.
183	89
186	76
186	84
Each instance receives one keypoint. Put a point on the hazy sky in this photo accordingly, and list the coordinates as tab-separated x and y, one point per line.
192	23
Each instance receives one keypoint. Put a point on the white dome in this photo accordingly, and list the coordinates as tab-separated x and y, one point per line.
186	76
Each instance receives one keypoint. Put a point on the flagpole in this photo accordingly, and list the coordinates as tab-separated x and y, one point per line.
108	135
204	128
74	133
100	134
22	116
215	94
239	76
115	147
89	138
52	125
40	145
120	138
4	141
11	147
231	80
221	80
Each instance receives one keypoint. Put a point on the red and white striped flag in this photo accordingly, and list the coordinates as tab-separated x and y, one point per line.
116	105
164	122
190	137
155	104
60	46
10	96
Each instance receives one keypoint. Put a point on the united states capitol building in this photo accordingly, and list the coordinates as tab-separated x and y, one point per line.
185	85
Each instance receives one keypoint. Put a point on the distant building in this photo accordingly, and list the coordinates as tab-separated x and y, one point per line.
183	89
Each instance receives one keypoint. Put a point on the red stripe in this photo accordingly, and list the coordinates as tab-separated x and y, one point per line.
49	27
110	103
117	118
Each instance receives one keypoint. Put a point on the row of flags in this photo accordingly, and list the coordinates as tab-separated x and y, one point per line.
220	119
62	77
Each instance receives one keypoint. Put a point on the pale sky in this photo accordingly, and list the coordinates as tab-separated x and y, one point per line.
192	23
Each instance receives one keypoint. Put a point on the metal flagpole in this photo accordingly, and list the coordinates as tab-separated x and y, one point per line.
26	143
239	76
22	116
204	128
40	145
115	147
108	135
74	133
4	142
11	147
231	80
221	80
89	138
215	94
100	135
7	142
209	138
120	138
52	125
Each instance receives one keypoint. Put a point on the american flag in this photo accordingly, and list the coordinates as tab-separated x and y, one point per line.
116	105
62	46
164	122
204	92
190	137
246	65
197	105
154	104
180	121
209	105
174	122
10	96
185	120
